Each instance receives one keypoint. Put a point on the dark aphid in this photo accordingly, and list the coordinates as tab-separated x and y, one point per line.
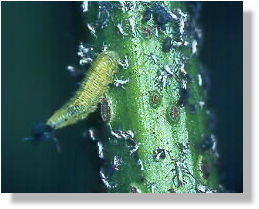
133	189
147	14
206	144
105	8
184	95
171	190
173	113
147	32
155	99
159	154
105	110
167	44
161	15
180	172
205	168
42	132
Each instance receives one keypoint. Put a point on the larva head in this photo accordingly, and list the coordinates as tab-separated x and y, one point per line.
66	116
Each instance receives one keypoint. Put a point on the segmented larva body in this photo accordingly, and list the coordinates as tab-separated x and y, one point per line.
90	92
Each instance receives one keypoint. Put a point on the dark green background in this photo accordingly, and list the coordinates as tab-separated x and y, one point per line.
39	39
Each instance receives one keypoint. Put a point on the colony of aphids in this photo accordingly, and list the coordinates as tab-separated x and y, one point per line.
177	40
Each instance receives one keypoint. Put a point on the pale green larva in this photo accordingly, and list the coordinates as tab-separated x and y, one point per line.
90	92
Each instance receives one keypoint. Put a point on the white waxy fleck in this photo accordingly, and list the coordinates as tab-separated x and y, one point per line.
156	32
100	149
92	30
105	180
130	133
85	60
177	43
194	47
214	146
199	79
120	83
182	19
201	103
141	164
85	6
117	135
91	133
168	70
70	68
133	26
154	58
134	149
123	6
182	69
184	84
119	26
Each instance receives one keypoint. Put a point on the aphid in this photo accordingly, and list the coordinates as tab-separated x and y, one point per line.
182	20
205	168
206	144
92	88
168	70
209	143
183	147
105	110
124	63
133	189
104	13
159	154
184	95
147	32
155	99
167	44
173	113
203	189
153	187
133	149
147	14
180	172
117	161
86	54
161	15
120	83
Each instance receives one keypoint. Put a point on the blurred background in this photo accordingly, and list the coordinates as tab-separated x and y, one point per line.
39	39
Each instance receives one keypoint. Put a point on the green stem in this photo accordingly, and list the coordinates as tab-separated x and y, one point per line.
157	137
